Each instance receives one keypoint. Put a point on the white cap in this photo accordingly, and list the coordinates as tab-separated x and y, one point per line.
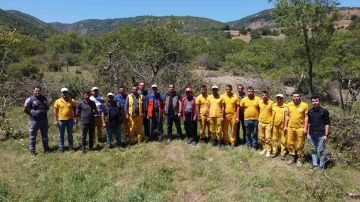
214	87
154	86
280	95
94	88
64	90
110	94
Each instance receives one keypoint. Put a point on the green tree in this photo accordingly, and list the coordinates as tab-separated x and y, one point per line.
310	21
255	34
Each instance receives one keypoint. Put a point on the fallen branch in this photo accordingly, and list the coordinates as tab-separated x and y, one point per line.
351	195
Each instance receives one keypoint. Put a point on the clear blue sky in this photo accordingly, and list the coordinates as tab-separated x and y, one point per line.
69	11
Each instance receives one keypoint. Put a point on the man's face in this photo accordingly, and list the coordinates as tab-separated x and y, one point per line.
141	86
95	92
250	92
203	90
265	96
86	96
37	91
280	101
134	90
240	89
154	90
296	98
315	102
65	94
171	88
215	91
188	93
228	90
121	90
110	98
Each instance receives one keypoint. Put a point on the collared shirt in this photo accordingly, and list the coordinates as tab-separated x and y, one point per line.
214	104
278	113
87	110
65	108
251	107
100	104
318	119
265	115
121	100
231	103
297	114
201	101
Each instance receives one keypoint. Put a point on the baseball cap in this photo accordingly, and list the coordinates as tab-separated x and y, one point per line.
154	86
214	87
94	88
110	94
64	90
280	95
188	90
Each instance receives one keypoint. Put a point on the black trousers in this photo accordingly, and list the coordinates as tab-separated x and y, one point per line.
156	124
87	128
172	118
241	123
190	126
146	125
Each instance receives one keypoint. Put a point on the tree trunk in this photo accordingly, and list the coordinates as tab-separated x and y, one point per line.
308	56
340	90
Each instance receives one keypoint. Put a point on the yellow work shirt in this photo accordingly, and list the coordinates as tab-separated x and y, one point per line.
231	104
265	115
278	114
201	101
214	105
297	114
65	109
250	107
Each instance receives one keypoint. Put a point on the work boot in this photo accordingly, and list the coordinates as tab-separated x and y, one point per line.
193	143
214	143
299	162
268	154
291	160
32	153
220	144
262	152
273	155
189	140
283	157
169	140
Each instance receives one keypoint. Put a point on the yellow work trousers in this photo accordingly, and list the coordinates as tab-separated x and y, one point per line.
98	127
216	128
295	137
135	122
278	133
231	120
265	135
204	124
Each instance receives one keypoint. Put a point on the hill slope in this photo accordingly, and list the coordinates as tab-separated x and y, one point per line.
264	18
100	26
25	24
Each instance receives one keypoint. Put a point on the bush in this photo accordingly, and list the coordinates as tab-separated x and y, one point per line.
205	61
23	69
255	35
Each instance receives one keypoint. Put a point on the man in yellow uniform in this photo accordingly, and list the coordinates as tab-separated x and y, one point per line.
215	117
279	111
230	109
296	123
134	107
64	118
265	118
250	106
202	118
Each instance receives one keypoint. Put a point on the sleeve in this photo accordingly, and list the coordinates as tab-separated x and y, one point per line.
78	106
326	117
73	103
27	103
207	100
197	100
180	97
126	104
238	100
306	108
56	104
241	103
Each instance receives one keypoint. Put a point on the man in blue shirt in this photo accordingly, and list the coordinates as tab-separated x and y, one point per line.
121	99
155	113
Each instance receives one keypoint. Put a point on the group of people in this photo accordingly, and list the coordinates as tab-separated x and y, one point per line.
142	113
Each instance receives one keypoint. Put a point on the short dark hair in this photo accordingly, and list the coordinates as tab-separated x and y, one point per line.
121	86
250	88
240	85
39	87
315	97
171	84
202	86
135	85
265	92
296	92
229	86
87	92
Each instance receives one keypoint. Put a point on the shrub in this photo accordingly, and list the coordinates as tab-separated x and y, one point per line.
23	69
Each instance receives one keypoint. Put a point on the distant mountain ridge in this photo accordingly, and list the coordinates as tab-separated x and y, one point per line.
27	24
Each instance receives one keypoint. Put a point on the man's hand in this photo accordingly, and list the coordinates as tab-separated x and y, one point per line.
305	131
127	116
56	123
199	118
285	129
208	119
104	125
237	120
221	118
179	114
75	121
195	118
325	138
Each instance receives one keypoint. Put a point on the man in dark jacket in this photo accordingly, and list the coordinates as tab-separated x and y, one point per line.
173	111
86	111
319	126
36	107
111	119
